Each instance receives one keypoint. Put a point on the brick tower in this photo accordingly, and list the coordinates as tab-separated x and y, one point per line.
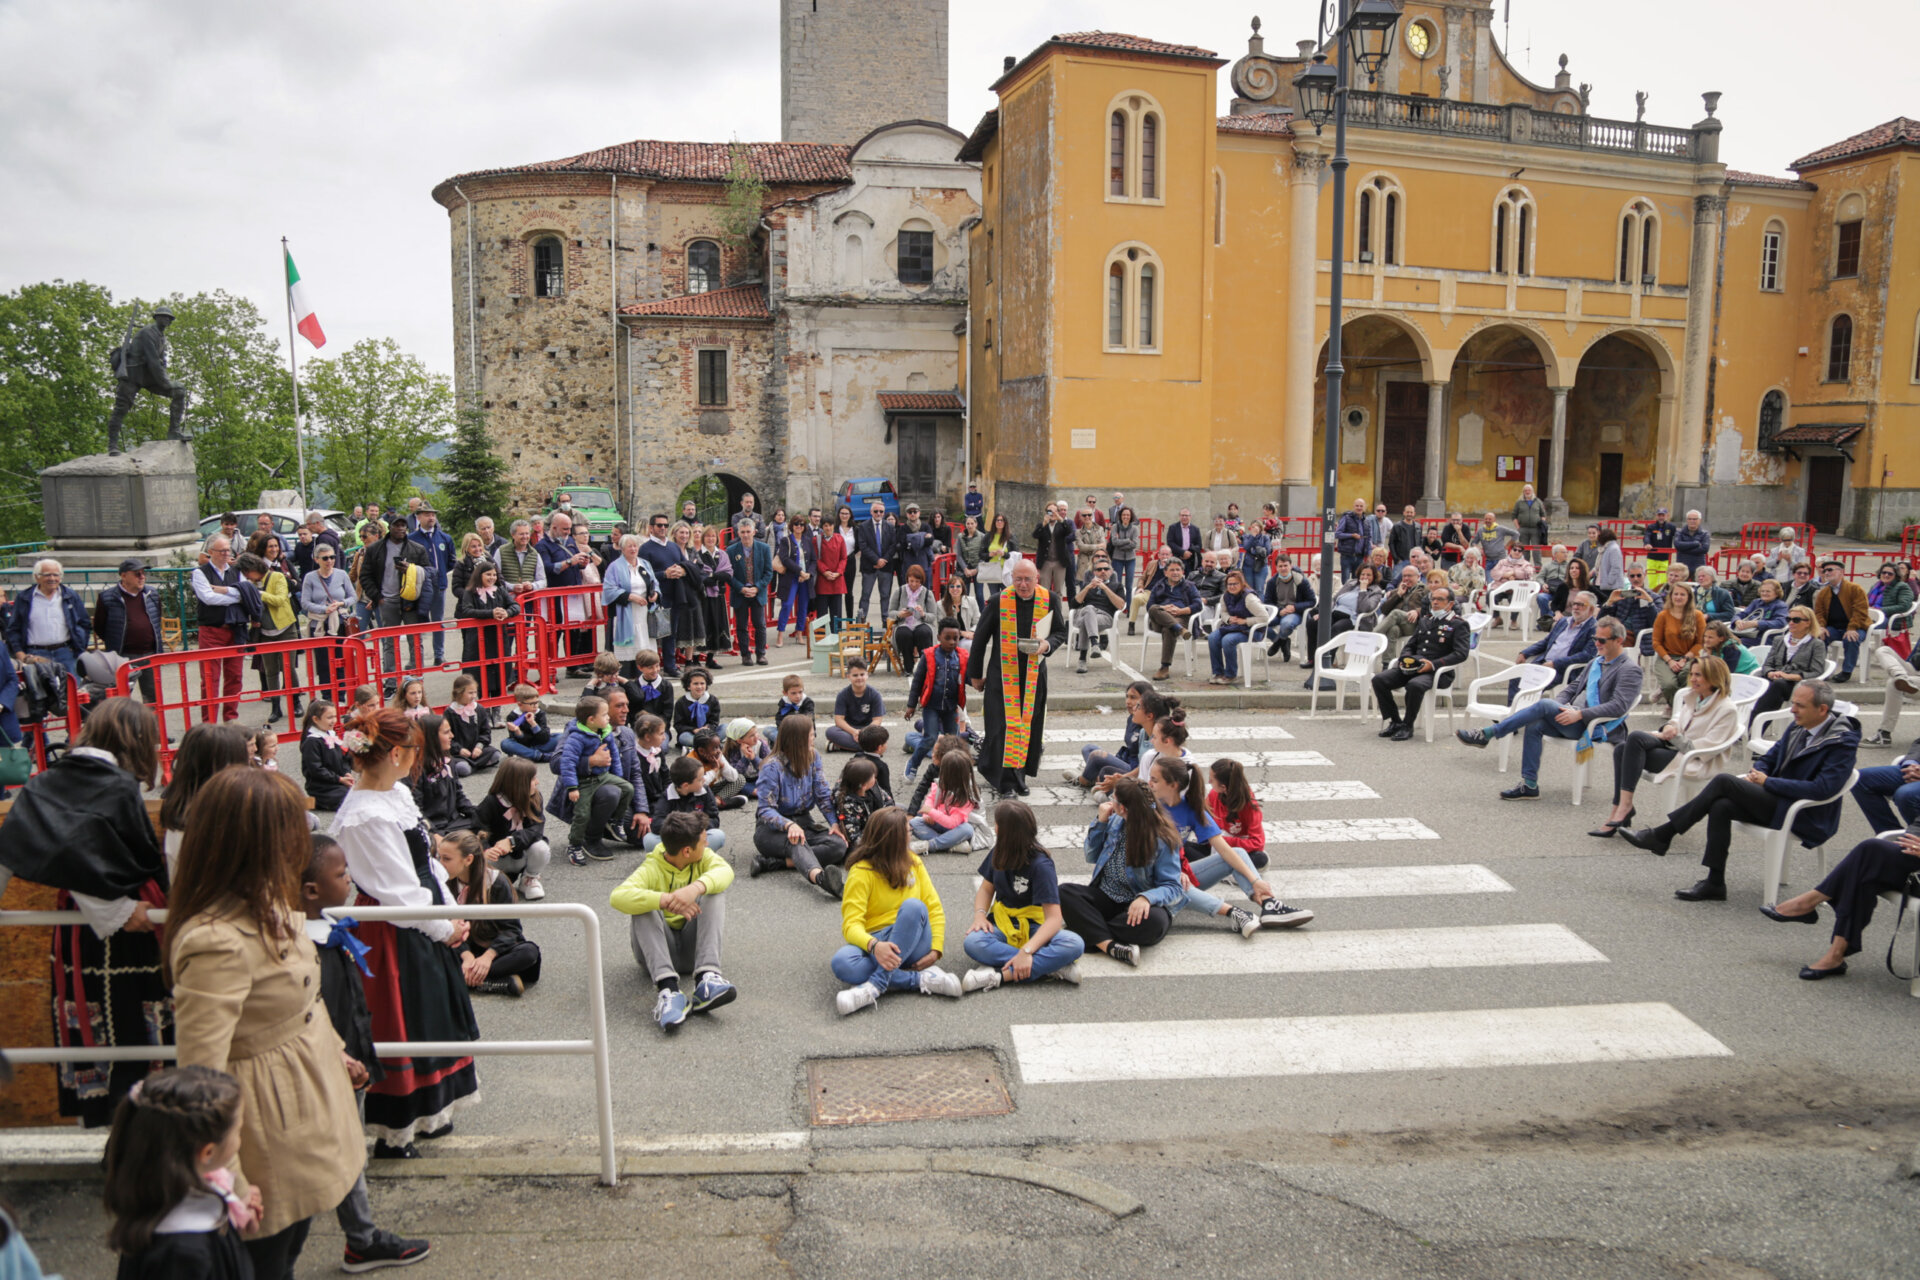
849	66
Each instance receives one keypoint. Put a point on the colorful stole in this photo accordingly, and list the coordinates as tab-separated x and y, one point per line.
1017	699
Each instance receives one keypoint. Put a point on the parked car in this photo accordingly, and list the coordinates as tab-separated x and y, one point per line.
862	494
595	502
285	521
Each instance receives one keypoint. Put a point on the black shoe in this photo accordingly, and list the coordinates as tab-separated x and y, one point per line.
599	852
1648	839
760	866
1843	677
1286	651
1405	734
384	1150
1703	891
441	1132
1020	784
1522	791
1608	829
1811	917
832	881
1811	974
1473	737
1389	729
734	802
384	1250
511	985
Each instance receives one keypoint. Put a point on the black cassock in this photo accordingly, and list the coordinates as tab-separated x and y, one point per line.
983	661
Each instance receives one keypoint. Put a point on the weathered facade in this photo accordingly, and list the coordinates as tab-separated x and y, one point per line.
850	66
1531	293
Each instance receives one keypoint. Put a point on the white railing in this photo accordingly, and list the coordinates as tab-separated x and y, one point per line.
389	1050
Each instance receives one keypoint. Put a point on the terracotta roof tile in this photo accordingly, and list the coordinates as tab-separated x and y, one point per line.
1265	122
740	302
1745	179
775	162
921	401
1897	132
1130	44
976	144
1819	433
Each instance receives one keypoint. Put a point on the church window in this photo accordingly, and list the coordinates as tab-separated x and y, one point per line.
915	264
1773	409
549	263
1376	230
1500	239
1148	336
1117	305
1840	349
1770	243
1846	249
1134	148
1117	155
1639	245
1513	233
1363	237
1149	156
713	377
1649	260
703	266
1390	219
1134	300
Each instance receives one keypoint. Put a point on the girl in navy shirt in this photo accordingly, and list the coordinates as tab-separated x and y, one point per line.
1181	791
1018	933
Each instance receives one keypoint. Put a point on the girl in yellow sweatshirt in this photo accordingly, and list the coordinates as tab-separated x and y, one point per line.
891	919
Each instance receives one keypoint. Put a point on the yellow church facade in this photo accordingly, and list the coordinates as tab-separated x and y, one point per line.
1532	294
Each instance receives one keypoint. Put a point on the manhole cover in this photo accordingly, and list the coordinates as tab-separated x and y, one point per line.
924	1086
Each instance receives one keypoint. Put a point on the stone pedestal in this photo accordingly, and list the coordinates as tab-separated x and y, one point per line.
105	507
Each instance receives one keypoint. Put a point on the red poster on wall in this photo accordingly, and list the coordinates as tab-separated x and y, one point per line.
1513	466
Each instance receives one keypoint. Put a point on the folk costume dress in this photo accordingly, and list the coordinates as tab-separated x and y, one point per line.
1015	695
417	991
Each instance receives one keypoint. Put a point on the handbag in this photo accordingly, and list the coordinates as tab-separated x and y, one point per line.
1901	642
16	766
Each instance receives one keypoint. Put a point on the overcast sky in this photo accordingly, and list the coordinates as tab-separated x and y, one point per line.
161	145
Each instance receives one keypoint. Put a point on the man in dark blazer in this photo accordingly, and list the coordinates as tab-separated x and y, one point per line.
752	577
877	545
1185	539
382	574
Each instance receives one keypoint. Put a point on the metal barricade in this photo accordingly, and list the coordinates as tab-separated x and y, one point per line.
1760	535
1910	544
34	732
389	1051
388	655
560	627
315	667
942	570
1153	533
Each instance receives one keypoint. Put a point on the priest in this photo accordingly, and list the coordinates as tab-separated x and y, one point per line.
1008	663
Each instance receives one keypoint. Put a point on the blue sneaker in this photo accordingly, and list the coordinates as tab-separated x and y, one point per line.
712	991
911	771
670	1010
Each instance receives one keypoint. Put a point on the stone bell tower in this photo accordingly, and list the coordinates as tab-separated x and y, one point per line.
850	66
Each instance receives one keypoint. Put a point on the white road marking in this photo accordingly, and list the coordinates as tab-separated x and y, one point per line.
1187	953
1079	1053
1264	792
1251	759
1308	831
1110	732
1314	884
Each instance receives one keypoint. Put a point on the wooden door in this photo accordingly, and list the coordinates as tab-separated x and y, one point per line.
917	454
1403	446
1607	502
1826	484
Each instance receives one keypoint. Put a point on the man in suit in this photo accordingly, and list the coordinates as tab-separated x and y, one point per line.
1570	643
877	545
1814	759
1186	541
752	576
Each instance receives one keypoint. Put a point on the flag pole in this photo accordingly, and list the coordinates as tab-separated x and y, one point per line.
293	360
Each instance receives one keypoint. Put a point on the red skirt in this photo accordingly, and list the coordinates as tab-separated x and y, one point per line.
417	992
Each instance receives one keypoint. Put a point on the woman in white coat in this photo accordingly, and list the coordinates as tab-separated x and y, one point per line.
629	588
1704	714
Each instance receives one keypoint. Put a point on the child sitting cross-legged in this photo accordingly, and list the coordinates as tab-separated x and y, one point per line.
1018	932
793	699
527	734
857	797
496	958
472	729
943	822
722	779
687	792
679	916
695	710
511	818
583	771
891	918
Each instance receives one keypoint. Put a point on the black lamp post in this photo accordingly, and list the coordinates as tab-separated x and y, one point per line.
1364	32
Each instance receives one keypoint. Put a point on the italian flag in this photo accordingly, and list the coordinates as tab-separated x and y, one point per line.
304	318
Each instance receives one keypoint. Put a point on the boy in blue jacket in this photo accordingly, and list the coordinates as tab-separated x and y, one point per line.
582	772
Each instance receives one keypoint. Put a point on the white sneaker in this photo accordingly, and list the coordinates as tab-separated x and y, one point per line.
919	848
938	982
1244	921
531	889
1070	974
854	999
981	979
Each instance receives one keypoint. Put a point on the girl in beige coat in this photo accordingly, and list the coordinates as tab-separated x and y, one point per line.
247	1002
1704	715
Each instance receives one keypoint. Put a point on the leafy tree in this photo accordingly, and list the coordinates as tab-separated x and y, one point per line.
375	412
746	204
474	476
56	391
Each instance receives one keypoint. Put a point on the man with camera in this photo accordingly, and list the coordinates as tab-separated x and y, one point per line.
1094	609
1440	638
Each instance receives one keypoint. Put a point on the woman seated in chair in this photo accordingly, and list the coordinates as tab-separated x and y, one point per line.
1232	625
1360	596
1740	660
1854	887
911	632
1767	613
1704	714
1798	655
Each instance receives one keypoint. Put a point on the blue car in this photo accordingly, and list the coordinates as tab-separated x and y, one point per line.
862	494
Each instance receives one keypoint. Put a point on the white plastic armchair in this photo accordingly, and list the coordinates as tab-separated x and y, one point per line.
1775	841
1449	682
1892	898
1533	679
1513	602
1257	642
1361	650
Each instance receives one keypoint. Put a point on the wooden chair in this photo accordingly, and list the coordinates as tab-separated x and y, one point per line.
855	637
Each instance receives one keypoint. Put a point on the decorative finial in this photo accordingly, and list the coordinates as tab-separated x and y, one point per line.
1639	105
1712	100
1563	62
1256	24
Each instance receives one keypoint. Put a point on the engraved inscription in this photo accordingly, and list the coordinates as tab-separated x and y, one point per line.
172	505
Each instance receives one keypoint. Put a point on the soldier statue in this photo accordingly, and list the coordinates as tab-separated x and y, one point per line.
141	364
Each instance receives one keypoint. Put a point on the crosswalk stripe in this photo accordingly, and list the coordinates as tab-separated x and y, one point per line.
1308	831
1114	729
1213	950
1320	883
1086	1052
1251	759
1264	792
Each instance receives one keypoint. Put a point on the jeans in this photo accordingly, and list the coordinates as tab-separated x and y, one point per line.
1256	576
1282	629
1537	721
993	950
693	948
433	608
1350	565
1850	649
539	755
910	931
1100	763
794	605
1123	575
1221	647
819	847
1211	870
884	578
1545	600
933	723
939	841
1874	788
63	655
583	805
395	612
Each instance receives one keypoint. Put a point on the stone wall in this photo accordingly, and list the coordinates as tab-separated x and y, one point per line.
849	66
676	439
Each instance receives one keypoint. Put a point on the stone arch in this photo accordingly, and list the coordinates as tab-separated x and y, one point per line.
716	496
1558	371
1652	344
1620	407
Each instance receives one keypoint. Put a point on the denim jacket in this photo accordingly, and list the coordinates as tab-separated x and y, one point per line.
1159	883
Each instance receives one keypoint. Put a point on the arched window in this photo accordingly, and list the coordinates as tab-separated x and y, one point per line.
1135	160
1840	349
703	263
1649	259
856	260
549	267
1773	243
1135	299
1848	219
1513	233
1376	232
1363	233
1639	245
1390	227
1773	413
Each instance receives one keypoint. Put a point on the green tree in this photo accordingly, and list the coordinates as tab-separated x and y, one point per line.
56	391
746	204
474	477
375	410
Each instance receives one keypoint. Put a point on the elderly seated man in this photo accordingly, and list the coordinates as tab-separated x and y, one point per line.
1094	608
1568	644
1401	609
1591	710
1441	638
1811	761
1553	572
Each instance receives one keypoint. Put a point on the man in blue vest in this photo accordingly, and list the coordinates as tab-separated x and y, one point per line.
126	617
48	623
439	548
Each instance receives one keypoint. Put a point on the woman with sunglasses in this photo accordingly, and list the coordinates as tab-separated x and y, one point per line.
327	598
1798	655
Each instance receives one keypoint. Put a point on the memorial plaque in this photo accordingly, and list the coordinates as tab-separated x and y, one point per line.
173	504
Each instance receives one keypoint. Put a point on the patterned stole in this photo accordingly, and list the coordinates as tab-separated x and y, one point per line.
1017	697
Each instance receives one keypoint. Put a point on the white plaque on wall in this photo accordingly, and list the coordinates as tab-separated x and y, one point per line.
1469	452
1084	437
1612	433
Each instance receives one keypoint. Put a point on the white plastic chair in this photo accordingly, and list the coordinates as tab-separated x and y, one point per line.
1876	634
1774	841
1892	898
1362	650
1447	683
1256	643
1513	602
1533	678
1478	623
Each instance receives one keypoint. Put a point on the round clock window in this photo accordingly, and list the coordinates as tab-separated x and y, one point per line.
1422	39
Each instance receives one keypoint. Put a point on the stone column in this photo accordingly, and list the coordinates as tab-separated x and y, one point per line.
1688	446
1556	499
1300	476
1433	501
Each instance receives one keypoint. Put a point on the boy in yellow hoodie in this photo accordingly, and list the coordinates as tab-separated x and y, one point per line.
679	917
891	919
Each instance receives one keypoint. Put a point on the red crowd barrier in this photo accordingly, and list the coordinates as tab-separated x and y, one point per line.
563	626
1760	535
1910	544
202	685
34	732
942	570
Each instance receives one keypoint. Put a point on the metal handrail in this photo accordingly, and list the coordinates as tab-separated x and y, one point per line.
388	1050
